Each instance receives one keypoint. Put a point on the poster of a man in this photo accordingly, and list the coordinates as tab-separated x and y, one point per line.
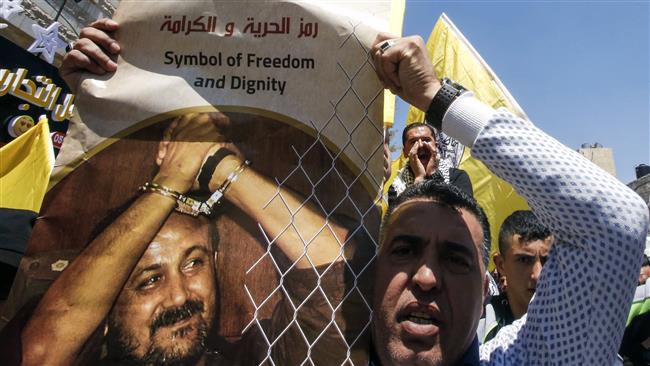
203	223
148	283
175	274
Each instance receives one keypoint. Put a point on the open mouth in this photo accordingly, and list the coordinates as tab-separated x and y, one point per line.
423	155
420	320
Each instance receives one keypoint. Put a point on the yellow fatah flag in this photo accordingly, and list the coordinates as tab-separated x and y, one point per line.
25	167
454	57
396	21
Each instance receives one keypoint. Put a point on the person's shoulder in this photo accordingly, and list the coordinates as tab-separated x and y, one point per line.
502	309
460	179
457	172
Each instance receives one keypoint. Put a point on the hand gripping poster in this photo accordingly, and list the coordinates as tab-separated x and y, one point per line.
216	201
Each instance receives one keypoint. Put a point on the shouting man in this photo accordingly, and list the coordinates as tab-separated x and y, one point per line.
432	280
419	146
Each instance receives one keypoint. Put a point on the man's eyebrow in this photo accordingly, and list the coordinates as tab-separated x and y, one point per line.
195	247
157	266
411	239
457	247
150	268
525	255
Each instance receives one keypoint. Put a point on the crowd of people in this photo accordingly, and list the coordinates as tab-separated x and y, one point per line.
431	302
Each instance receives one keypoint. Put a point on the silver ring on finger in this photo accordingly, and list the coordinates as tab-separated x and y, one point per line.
70	46
386	45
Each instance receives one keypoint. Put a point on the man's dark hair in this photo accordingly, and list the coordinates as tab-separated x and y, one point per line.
446	195
414	125
524	223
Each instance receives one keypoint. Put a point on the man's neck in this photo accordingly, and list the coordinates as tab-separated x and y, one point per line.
469	358
518	309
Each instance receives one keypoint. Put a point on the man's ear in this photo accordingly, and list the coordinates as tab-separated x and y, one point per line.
162	151
486	285
164	142
498	262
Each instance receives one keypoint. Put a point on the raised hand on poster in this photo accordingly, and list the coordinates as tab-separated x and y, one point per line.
403	66
91	53
185	146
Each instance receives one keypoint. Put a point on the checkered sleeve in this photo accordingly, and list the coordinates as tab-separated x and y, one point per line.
578	314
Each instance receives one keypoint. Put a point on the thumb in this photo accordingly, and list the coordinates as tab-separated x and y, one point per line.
162	152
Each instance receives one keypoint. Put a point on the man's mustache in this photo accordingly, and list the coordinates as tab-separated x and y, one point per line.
172	316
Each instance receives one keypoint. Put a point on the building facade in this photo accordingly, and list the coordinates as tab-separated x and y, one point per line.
599	155
642	186
72	15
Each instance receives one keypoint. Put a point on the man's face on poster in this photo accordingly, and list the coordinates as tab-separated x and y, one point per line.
166	308
429	286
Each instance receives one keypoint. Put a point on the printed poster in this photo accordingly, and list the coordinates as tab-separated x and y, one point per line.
217	199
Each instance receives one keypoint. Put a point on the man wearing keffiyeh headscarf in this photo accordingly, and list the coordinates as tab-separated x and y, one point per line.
424	163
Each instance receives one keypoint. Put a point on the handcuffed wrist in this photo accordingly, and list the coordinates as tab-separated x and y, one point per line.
208	168
160	190
194	207
172	183
184	204
218	194
221	171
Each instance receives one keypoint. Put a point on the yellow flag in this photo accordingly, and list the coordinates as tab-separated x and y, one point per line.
454	57
397	9
25	167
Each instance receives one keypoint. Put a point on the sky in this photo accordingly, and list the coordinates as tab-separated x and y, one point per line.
579	69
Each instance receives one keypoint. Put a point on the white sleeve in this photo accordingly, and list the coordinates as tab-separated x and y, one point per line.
466	118
578	314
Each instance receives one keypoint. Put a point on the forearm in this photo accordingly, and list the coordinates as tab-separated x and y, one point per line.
289	221
599	224
556	181
591	214
79	300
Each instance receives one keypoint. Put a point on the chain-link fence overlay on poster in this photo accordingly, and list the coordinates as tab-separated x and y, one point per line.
350	95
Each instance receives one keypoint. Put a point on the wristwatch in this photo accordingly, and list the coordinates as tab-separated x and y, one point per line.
449	91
